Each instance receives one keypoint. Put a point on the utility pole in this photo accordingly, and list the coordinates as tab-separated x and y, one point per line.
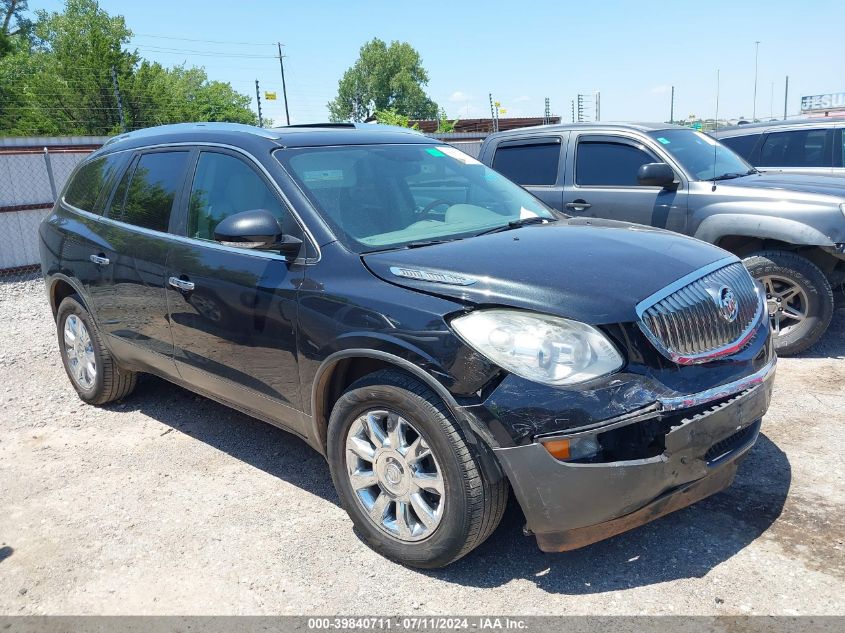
672	107
494	113
258	101
772	103
119	102
754	109
785	96
598	106
284	87
573	111
547	113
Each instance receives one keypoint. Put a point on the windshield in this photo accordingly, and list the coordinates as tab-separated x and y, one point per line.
702	156
377	197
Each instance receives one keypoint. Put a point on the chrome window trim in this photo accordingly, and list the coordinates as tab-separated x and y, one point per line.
143	148
187	240
694	359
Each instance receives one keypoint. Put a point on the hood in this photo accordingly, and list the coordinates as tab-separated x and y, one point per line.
591	270
827	185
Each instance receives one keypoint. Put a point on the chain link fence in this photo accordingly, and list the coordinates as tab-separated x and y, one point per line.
33	172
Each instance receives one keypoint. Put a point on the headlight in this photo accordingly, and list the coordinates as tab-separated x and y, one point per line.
538	347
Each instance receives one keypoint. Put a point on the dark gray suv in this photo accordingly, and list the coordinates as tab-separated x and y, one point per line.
788	228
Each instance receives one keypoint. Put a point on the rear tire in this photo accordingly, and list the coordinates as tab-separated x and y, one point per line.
474	493
90	366
799	298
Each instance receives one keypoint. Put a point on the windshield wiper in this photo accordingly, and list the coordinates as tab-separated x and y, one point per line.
421	243
729	176
515	224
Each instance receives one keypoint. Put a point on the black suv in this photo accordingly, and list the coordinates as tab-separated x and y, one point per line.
438	333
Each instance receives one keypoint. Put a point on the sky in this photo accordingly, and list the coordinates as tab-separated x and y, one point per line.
520	51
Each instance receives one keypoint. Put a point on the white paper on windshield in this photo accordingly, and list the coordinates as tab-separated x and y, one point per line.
457	154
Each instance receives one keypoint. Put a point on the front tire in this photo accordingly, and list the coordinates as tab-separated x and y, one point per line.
90	366
798	297
416	490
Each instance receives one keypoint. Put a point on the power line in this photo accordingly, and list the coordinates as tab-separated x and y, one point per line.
179	51
189	39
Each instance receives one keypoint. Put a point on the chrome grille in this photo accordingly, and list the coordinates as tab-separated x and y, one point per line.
686	321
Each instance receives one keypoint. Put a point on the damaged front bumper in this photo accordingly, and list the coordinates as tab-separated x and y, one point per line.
655	461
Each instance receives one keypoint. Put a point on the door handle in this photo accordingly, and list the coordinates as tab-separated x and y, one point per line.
181	284
99	260
578	205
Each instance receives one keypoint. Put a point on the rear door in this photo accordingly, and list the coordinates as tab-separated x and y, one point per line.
805	150
138	221
534	163
601	182
232	310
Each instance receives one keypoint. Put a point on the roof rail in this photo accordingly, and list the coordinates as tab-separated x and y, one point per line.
338	125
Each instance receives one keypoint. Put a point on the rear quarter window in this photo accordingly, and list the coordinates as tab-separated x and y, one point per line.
89	182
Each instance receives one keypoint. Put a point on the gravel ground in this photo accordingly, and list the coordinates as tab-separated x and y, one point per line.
168	503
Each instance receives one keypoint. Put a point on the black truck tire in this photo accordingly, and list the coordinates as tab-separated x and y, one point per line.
783	272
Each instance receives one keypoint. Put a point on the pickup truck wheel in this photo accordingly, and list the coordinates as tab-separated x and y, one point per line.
416	490
798	297
92	371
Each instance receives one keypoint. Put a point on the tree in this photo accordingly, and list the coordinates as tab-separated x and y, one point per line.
14	28
392	117
60	81
383	78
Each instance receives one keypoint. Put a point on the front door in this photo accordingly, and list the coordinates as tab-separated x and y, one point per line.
602	183
233	311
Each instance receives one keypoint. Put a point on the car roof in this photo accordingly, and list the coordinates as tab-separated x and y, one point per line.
756	128
598	125
237	134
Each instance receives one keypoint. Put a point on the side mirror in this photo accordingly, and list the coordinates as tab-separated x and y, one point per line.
656	175
256	229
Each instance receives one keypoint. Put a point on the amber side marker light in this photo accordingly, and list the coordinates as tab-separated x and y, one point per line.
559	449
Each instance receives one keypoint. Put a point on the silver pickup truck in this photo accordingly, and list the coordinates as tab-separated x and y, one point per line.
788	228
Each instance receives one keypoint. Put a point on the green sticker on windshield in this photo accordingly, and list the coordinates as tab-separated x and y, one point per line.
665	141
435	152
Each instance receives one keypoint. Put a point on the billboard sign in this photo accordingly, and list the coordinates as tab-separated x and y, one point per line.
831	101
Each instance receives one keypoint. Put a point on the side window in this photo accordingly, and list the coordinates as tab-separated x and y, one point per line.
90	182
152	189
797	148
603	163
224	185
840	147
742	145
530	164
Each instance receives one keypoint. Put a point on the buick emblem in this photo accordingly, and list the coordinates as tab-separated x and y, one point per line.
728	306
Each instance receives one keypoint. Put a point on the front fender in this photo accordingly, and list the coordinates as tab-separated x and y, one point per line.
715	227
405	359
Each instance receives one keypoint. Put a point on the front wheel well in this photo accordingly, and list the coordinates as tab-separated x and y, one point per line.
334	381
742	246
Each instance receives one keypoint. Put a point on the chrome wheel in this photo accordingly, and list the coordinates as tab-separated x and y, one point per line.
395	475
79	350
786	302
